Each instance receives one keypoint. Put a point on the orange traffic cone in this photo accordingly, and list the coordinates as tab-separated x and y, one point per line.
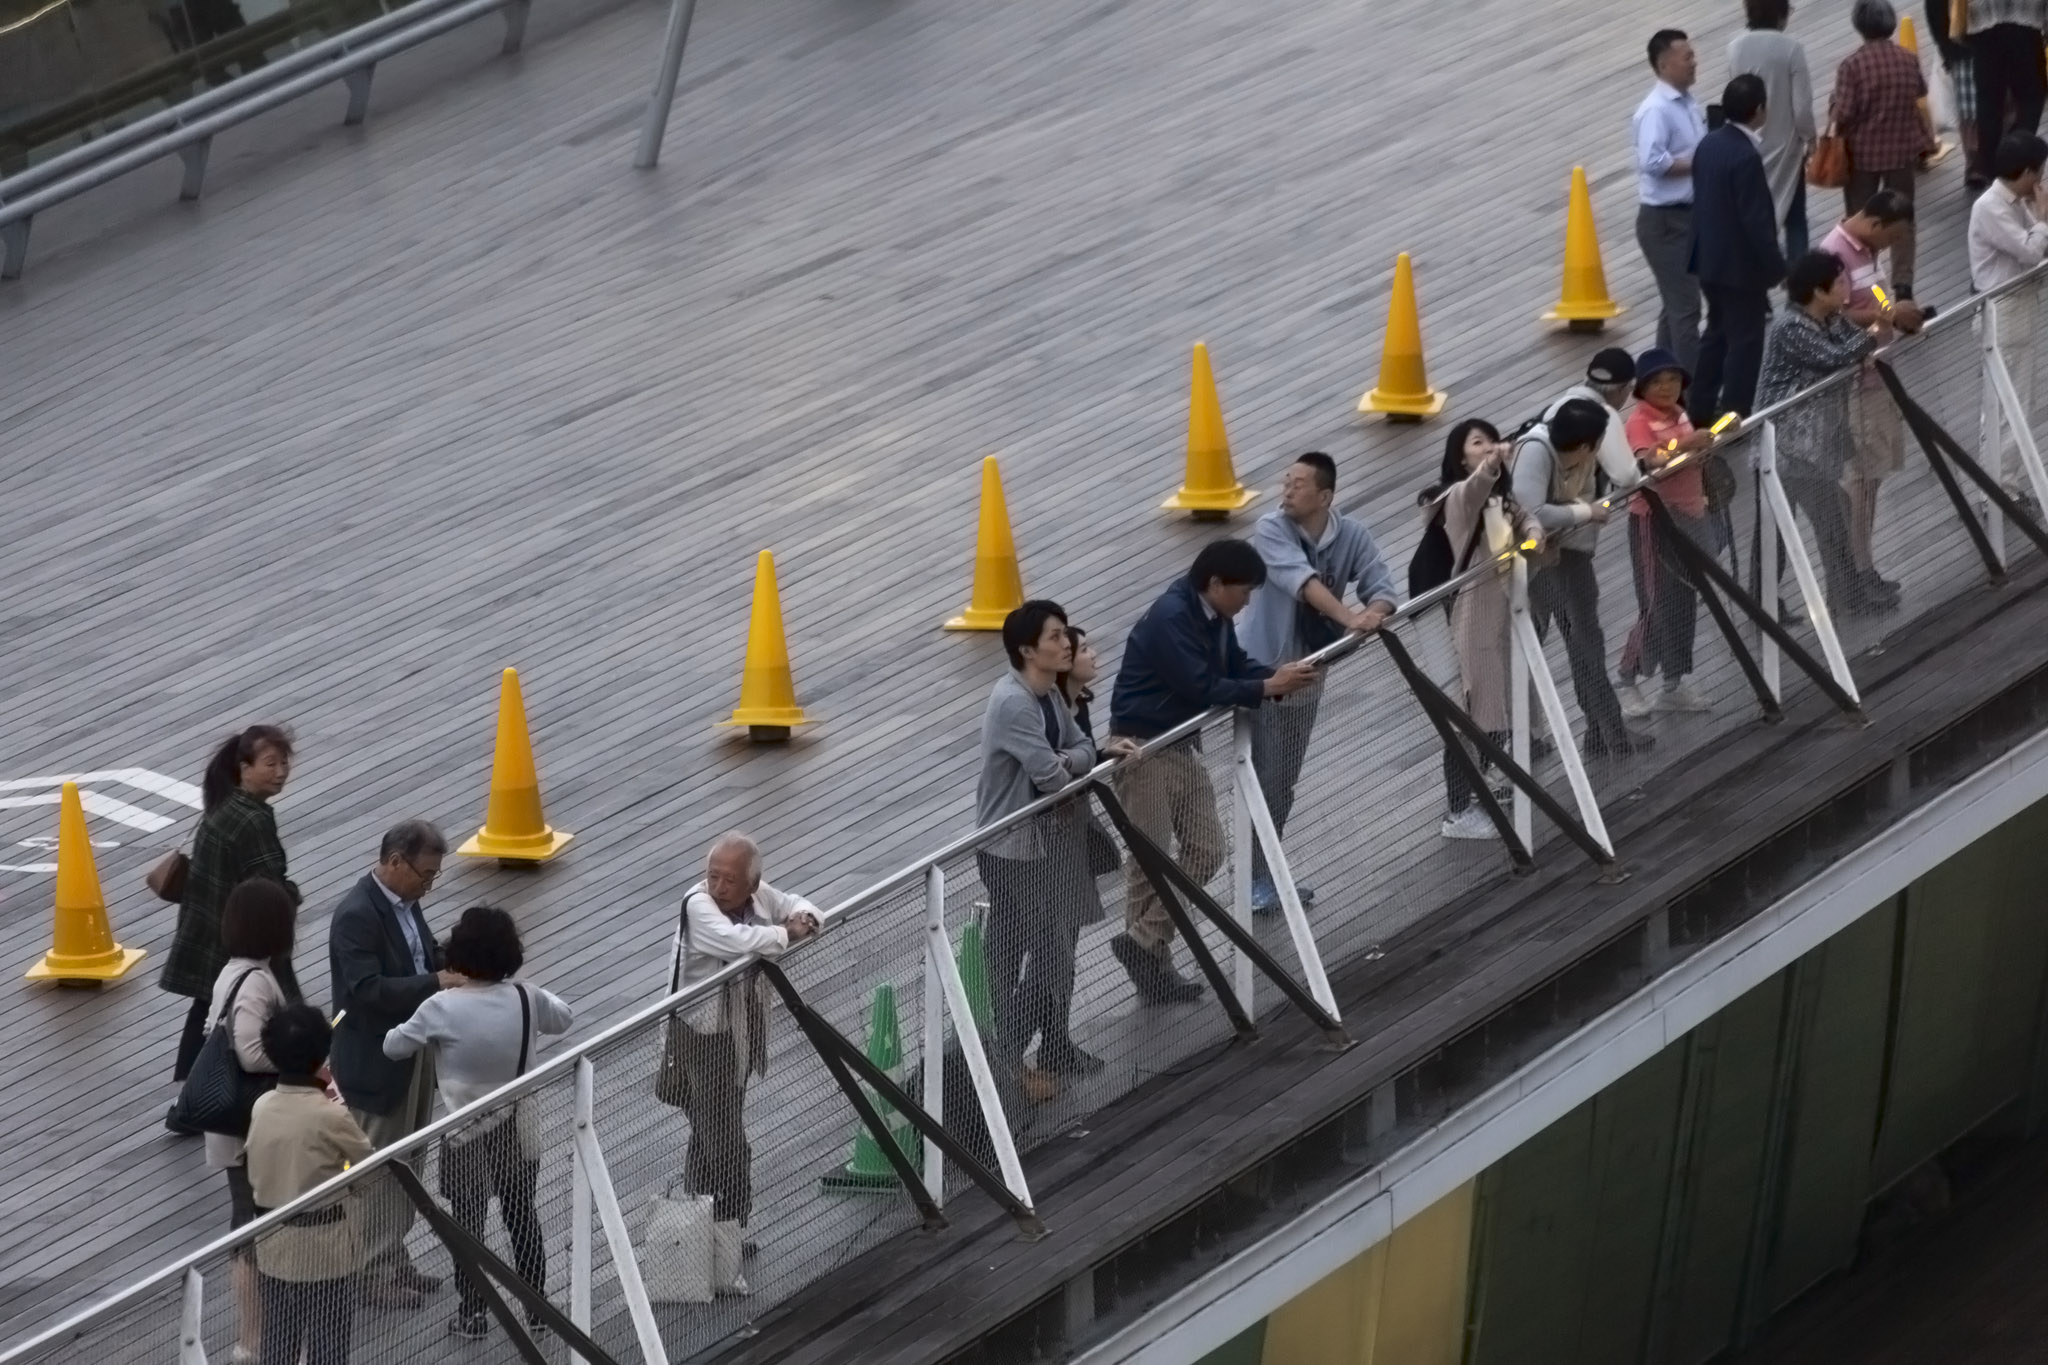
998	582
1211	491
514	829
1403	392
767	690
1583	302
1910	41
83	951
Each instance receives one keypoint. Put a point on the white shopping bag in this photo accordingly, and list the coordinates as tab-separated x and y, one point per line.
674	1244
1941	101
728	1243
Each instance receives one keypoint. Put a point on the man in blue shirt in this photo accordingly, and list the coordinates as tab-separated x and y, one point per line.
1183	658
1313	554
1668	127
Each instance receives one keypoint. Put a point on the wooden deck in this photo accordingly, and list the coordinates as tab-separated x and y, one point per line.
395	407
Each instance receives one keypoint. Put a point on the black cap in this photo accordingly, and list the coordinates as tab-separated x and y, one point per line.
1611	366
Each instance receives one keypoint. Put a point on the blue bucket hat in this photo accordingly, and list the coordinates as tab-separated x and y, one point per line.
1655	361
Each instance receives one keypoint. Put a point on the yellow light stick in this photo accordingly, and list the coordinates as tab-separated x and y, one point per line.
1882	301
1728	419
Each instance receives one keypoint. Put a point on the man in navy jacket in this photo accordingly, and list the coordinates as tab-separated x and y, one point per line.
1734	252
1183	658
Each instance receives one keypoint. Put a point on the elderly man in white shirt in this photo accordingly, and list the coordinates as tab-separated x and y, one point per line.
728	917
2008	237
1668	126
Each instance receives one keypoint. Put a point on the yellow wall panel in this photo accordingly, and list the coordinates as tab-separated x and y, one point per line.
1400	1303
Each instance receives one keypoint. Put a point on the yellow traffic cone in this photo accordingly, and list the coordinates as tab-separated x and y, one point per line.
1211	491
514	829
1910	41
998	583
767	691
1583	302
83	951
1403	392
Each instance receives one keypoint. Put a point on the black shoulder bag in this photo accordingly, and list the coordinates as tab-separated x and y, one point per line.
218	1094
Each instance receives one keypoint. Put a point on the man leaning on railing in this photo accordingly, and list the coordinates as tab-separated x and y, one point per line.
1183	658
729	916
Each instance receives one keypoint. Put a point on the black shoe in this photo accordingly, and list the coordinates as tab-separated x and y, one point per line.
177	1129
1877	585
1157	983
1626	743
1068	1060
1541	747
470	1326
413	1278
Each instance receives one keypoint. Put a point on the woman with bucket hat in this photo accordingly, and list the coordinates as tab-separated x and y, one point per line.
1659	431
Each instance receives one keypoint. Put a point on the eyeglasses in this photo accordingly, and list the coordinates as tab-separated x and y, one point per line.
426	877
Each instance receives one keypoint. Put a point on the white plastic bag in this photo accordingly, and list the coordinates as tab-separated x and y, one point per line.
728	1243
1941	101
675	1249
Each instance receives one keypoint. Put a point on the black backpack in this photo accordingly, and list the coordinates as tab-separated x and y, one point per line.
1433	564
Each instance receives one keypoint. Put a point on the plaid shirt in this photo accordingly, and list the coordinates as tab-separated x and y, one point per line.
1876	108
235	840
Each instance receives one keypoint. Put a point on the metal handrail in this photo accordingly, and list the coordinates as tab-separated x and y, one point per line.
193	122
640	1018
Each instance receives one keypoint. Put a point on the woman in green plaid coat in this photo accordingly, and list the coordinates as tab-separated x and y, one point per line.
236	840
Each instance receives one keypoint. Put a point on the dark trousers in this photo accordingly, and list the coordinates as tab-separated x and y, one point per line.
313	1316
1797	235
1569	593
1667	606
471	1172
1826	508
719	1162
1280	736
1731	352
1030	952
1459	787
193	1038
2007	58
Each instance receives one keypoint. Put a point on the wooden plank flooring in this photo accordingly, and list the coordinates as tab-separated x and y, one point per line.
394	407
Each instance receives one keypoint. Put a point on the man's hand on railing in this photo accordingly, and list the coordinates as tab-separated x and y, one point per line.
1119	746
1290	678
799	927
1371	616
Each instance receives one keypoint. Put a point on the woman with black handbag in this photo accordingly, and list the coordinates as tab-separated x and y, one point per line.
256	926
236	840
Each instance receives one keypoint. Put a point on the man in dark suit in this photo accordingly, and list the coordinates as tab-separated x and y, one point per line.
385	962
1734	252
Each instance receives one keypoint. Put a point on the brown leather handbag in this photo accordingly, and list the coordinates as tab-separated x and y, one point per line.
1827	165
166	880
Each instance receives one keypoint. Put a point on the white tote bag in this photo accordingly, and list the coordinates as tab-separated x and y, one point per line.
674	1245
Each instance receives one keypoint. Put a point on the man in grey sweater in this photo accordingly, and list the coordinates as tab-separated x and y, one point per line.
1555	464
1313	553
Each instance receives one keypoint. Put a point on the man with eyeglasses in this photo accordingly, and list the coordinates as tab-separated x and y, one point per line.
385	963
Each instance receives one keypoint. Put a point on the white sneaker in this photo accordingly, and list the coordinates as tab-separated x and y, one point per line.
1633	703
1682	698
1469	823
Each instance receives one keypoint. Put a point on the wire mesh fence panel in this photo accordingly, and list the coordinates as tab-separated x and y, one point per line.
146	1330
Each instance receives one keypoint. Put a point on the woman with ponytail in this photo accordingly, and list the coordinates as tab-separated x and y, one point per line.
236	840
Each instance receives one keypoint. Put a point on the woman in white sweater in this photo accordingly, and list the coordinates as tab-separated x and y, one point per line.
485	1032
256	926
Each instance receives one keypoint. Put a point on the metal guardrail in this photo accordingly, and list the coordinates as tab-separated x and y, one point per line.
188	128
917	917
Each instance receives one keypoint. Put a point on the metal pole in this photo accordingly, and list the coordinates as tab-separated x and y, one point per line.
1252	803
620	1239
1518	698
969	1034
2015	413
936	943
1802	567
1988	431
1241	723
192	1320
579	1204
1560	727
679	14
1767	563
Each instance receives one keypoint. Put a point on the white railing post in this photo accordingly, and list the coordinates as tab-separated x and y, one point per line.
2015	413
936	944
579	1204
617	1236
1553	710
1252	801
191	1320
1518	701
1990	434
1242	735
969	1035
1802	566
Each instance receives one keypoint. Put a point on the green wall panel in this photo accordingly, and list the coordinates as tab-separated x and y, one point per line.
1246	1348
1840	999
1968	996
